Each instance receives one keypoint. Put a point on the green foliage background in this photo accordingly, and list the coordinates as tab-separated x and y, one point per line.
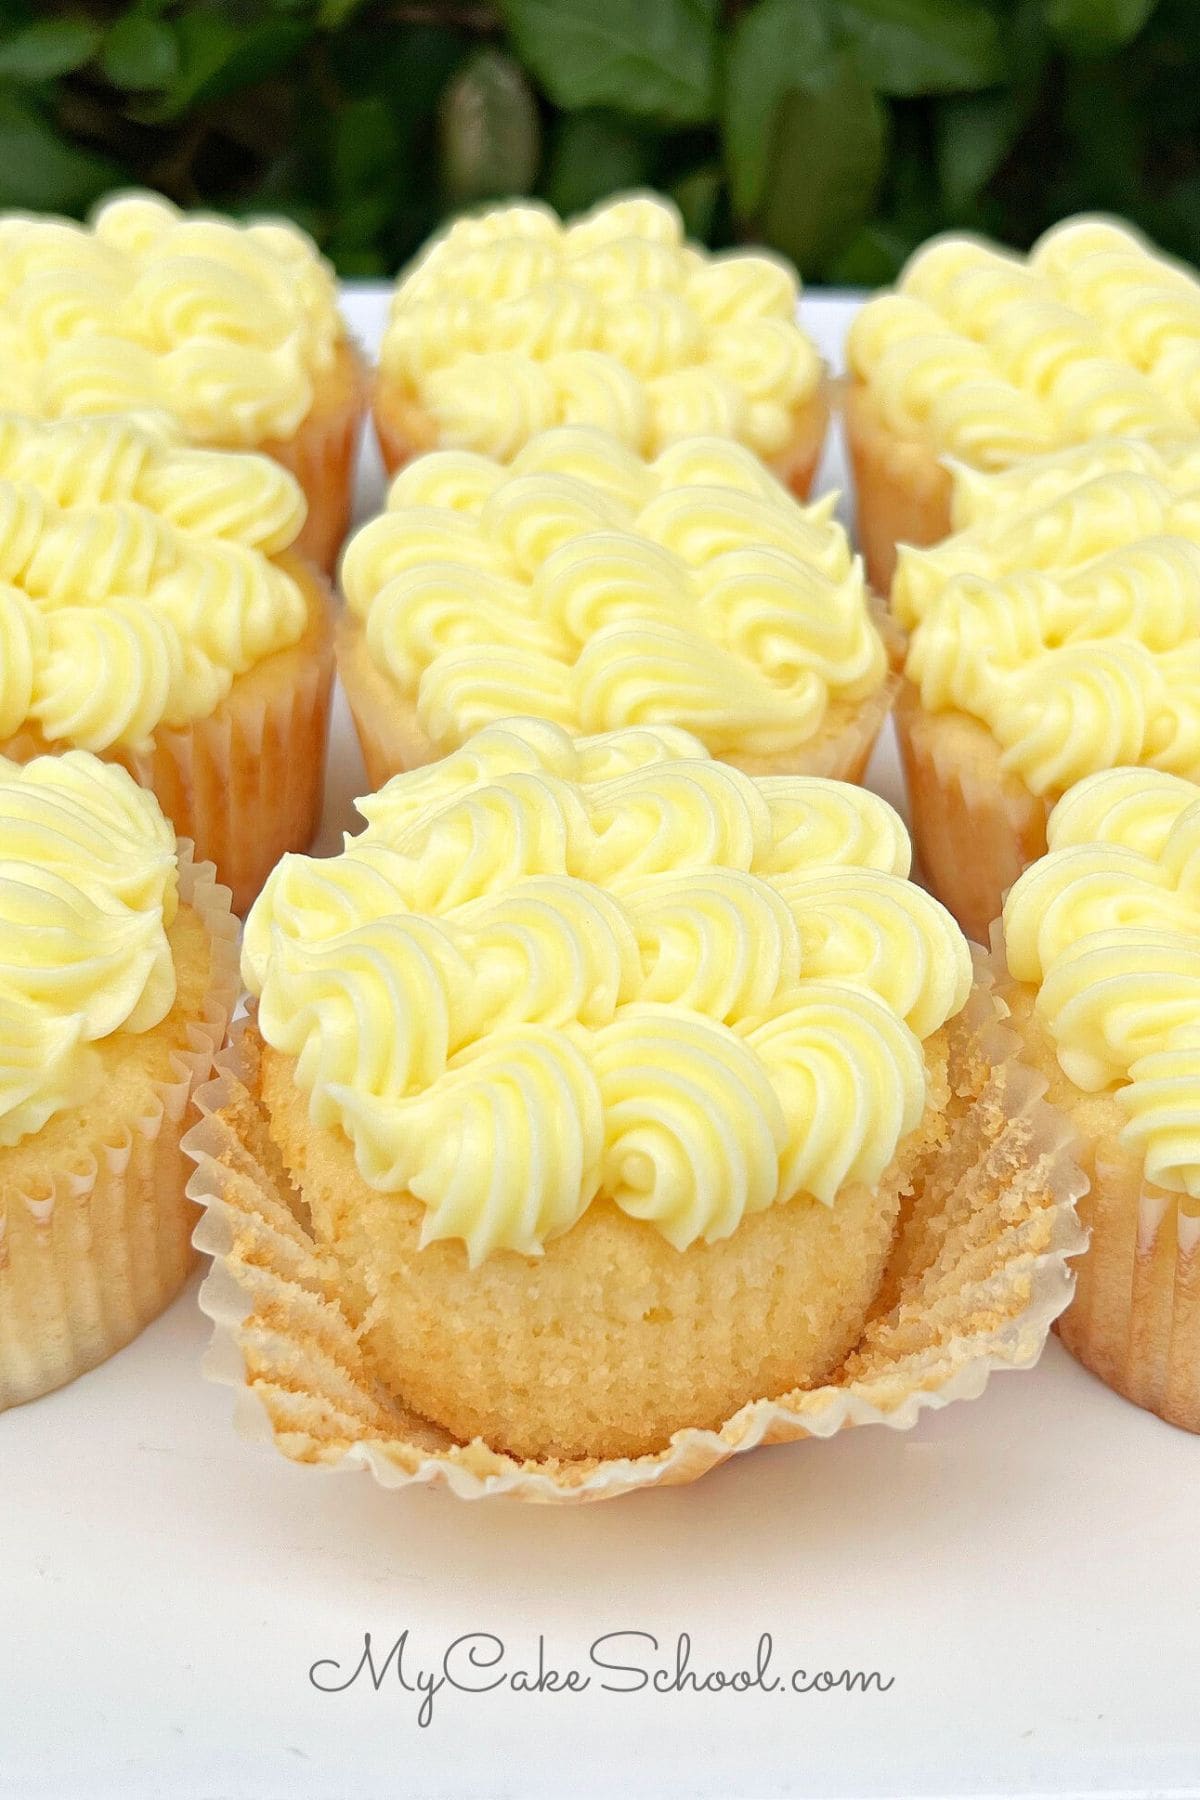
841	131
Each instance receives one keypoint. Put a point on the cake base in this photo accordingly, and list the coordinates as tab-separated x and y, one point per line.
902	492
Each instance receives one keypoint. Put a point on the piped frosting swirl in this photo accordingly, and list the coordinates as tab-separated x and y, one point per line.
554	968
600	591
514	322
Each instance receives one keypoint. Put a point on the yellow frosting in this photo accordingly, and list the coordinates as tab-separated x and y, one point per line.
1107	925
88	886
551	968
225	326
135	580
989	356
597	590
514	322
1065	614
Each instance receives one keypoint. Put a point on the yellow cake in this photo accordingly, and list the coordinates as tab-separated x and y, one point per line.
985	357
514	322
232	329
152	611
602	1071
1102	939
1055	634
118	973
589	587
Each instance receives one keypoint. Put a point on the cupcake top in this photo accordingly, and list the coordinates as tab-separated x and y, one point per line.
989	356
554	968
88	886
1107	926
224	326
136	578
1065	613
513	322
599	591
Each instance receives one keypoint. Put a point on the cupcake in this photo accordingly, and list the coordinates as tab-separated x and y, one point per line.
152	611
118	973
514	322
1054	635
231	329
584	1100
594	589
1102	939
986	357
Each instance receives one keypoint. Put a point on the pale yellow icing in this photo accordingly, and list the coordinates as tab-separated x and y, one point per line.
597	590
135	577
1107	925
1065	615
551	968
514	322
225	326
989	356
88	885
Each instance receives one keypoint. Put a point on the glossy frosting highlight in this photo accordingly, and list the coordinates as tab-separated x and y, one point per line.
1065	614
554	968
135	577
88	885
592	588
514	322
1107	926
989	356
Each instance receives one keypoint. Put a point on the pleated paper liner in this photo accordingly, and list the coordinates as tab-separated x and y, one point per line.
405	429
323	454
98	1251
902	492
247	783
978	1273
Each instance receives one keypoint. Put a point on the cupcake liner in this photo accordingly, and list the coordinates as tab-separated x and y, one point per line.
978	1273
902	492
974	826
322	457
86	1262
247	783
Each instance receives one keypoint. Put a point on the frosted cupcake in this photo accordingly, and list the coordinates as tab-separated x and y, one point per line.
985	357
153	611
232	329
1054	635
1103	941
594	589
118	972
583	1100
514	322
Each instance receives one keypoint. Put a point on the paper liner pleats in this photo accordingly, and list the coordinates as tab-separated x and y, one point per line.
978	1272
902	492
88	1260
975	826
322	456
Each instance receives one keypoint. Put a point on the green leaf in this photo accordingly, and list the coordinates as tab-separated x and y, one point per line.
827	153
594	154
365	148
1093	27
697	196
653	58
778	45
48	48
912	47
40	170
489	132
139	53
974	134
217	56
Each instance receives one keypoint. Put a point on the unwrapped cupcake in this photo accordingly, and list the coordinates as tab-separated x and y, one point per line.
153	611
118	973
1054	635
595	589
232	329
603	1102
987	357
1102	939
513	322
